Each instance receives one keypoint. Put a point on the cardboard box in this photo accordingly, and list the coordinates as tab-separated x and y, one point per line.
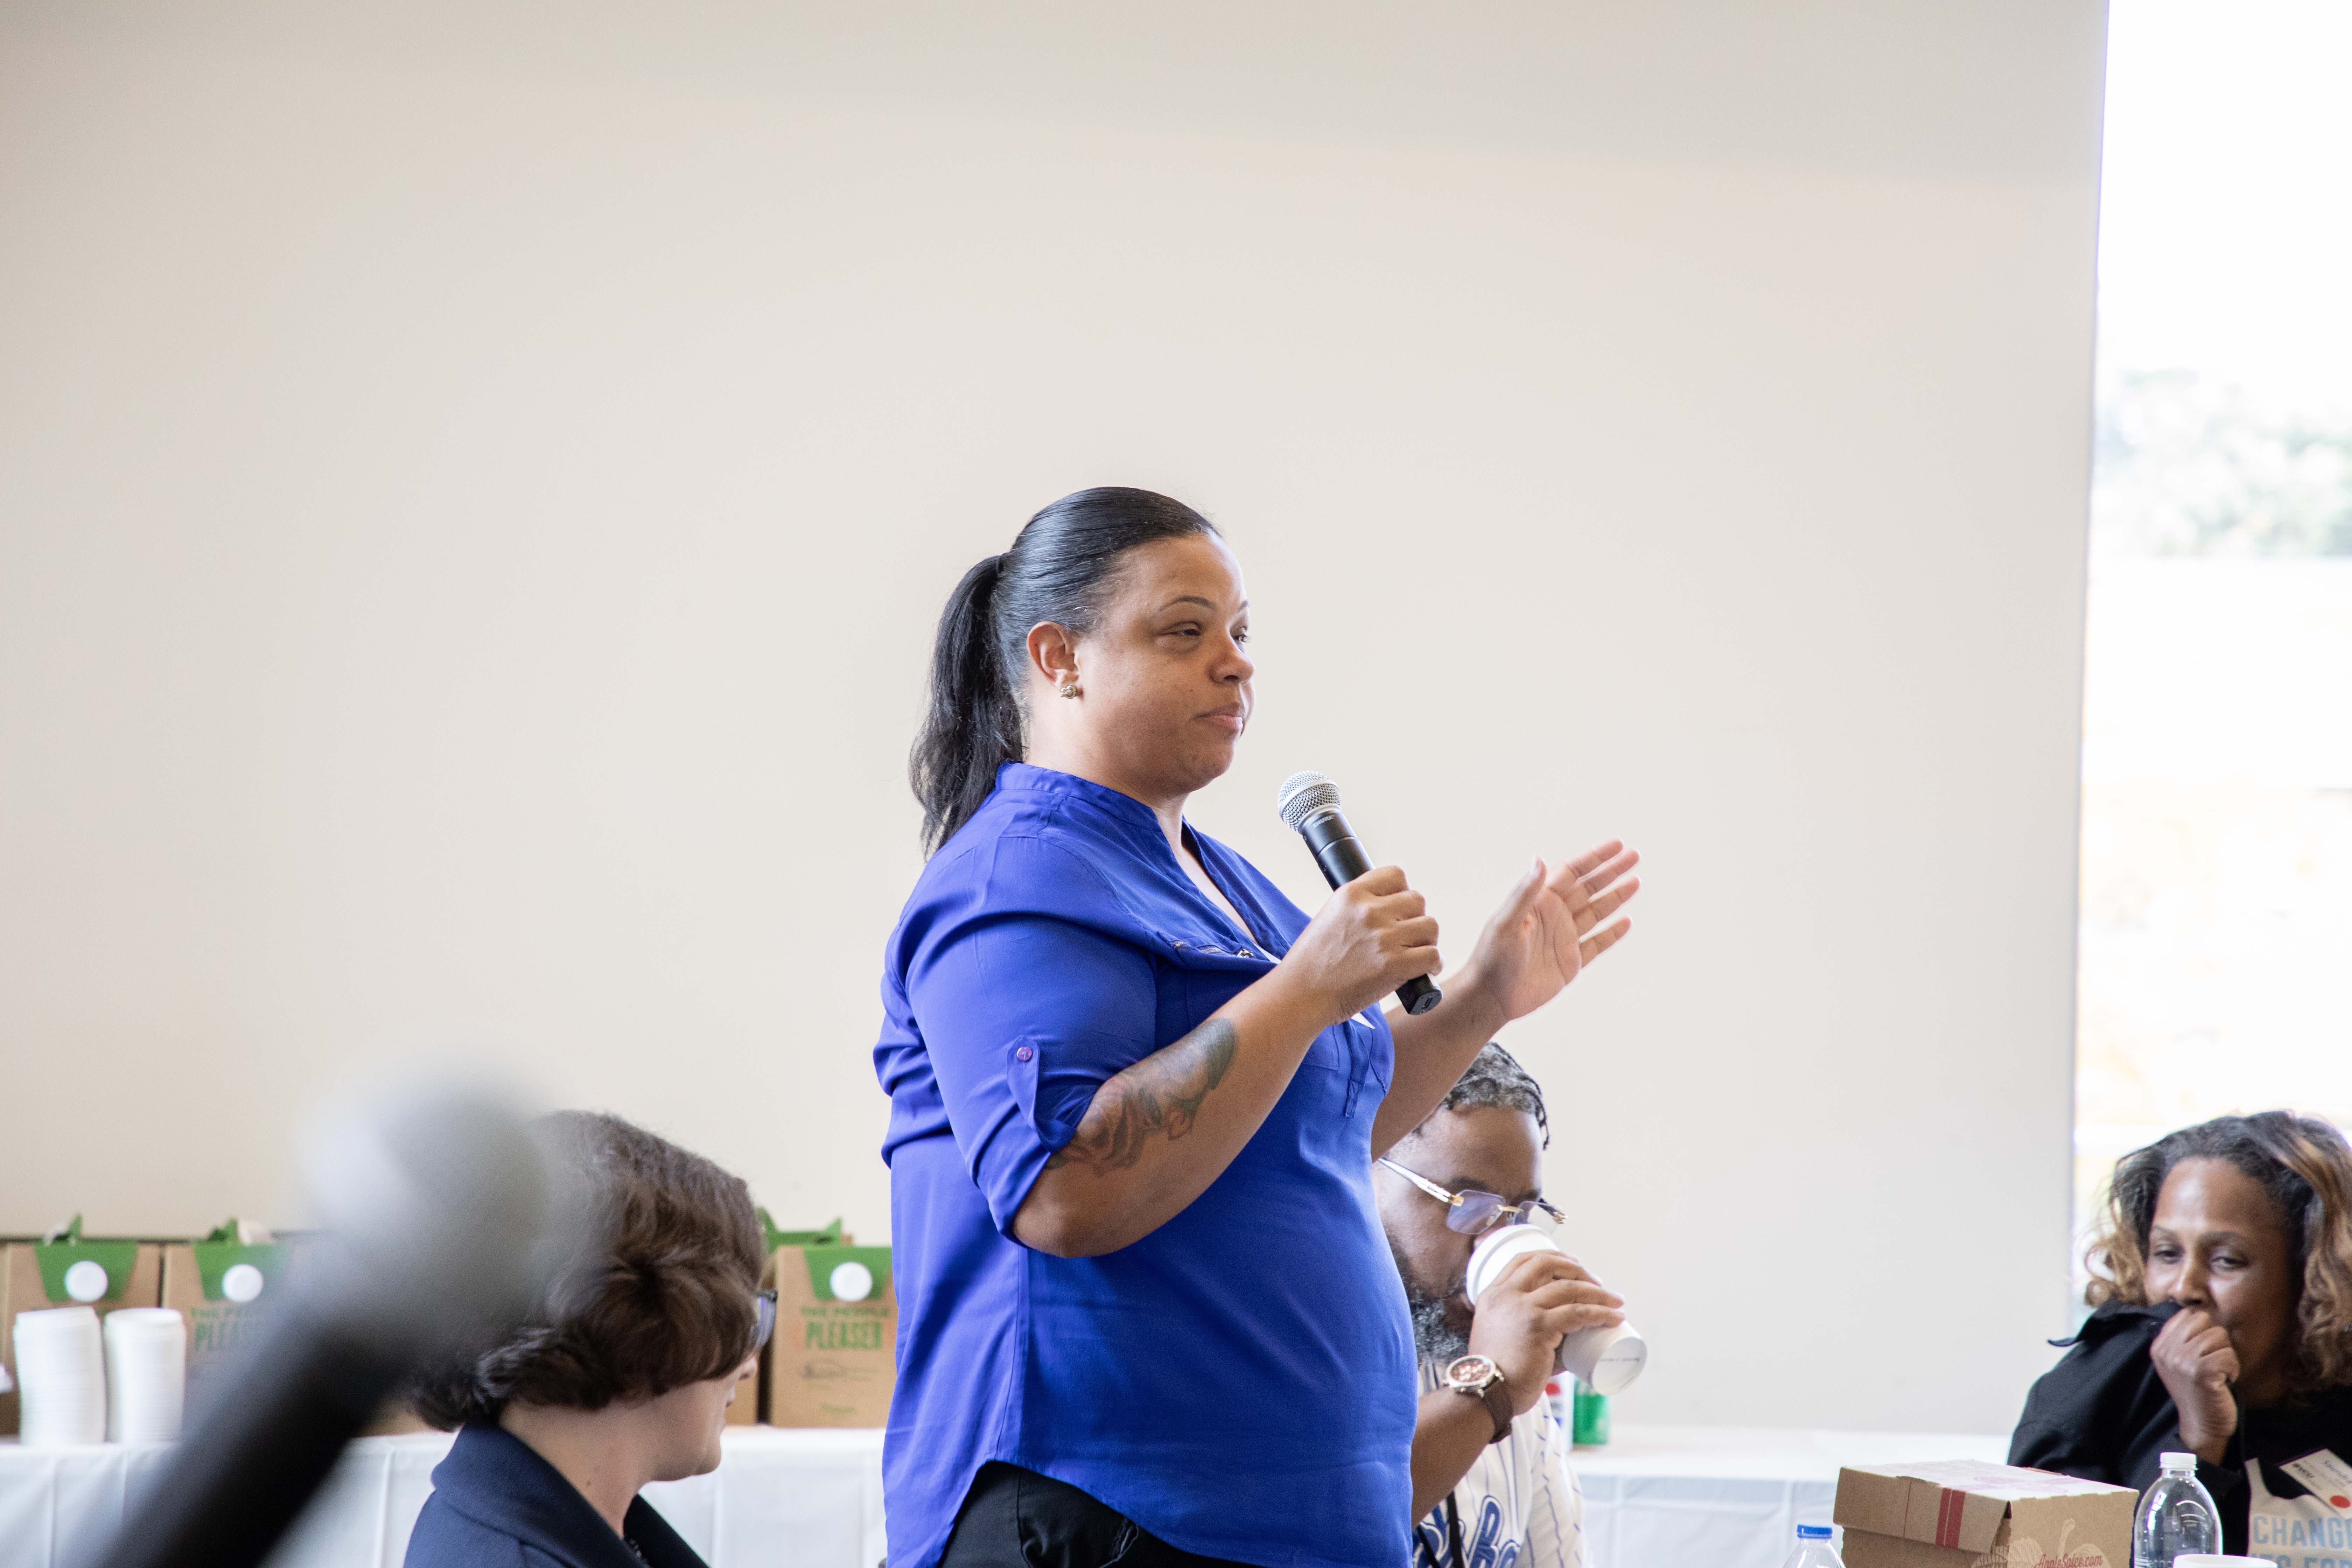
33	1276
1959	1513
751	1404
833	1359
228	1286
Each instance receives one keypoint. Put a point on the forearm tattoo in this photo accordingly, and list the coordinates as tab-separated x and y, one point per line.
1161	1093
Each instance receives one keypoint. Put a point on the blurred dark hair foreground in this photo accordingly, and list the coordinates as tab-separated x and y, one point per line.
658	1290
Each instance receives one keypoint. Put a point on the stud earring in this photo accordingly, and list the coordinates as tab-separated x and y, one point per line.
1071	689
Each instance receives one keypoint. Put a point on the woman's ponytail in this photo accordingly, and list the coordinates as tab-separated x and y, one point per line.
1058	570
972	725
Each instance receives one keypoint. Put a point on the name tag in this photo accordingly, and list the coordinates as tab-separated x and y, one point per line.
2328	1478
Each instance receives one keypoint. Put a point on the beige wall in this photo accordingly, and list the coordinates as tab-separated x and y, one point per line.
475	490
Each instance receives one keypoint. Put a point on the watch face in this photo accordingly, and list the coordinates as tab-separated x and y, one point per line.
1472	1372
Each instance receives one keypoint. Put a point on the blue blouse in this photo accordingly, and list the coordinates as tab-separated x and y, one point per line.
1240	1382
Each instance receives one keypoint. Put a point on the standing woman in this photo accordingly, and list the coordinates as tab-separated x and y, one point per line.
1148	1312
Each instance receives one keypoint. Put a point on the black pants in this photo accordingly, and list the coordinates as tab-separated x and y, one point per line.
1014	1518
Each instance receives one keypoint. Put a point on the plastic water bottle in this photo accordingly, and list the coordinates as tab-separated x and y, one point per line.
1814	1549
2176	1517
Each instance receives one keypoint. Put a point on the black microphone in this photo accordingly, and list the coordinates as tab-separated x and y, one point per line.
1309	805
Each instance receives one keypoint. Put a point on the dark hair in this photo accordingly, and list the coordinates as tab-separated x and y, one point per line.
1059	569
1495	1077
662	1293
2306	1167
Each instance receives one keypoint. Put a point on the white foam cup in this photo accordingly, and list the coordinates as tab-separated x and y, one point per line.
61	1375
1607	1360
2215	1560
146	1374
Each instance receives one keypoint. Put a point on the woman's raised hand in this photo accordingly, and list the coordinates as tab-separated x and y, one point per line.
1550	926
2194	1357
1370	936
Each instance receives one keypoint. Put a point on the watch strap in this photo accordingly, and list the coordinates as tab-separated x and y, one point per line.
1497	1395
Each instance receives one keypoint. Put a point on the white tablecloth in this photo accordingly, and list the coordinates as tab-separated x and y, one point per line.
808	1498
1732	1497
1657	1497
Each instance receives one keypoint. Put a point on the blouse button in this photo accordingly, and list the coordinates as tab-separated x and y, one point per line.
1025	1053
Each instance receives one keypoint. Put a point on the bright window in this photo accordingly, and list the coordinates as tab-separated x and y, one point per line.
2216	938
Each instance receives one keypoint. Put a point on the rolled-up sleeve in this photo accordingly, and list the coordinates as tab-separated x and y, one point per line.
1027	1003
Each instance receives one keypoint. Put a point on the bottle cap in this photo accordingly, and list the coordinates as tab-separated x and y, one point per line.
2180	1464
1812	1533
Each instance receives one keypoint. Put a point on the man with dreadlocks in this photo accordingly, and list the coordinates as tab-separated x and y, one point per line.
1490	1479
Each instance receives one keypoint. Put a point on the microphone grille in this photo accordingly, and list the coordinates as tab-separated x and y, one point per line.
1304	796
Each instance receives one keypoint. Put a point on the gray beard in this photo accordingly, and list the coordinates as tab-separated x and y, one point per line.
1439	1343
1437	1340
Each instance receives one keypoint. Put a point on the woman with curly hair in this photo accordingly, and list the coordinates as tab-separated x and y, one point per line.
620	1373
2221	1279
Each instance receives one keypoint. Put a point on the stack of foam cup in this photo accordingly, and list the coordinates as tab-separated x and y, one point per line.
146	1374
61	1377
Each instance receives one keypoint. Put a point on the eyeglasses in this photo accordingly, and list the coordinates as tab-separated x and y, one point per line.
767	1309
1474	1213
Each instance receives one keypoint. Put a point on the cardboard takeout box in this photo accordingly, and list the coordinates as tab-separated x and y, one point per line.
229	1286
1959	1513
750	1405
833	1359
34	1277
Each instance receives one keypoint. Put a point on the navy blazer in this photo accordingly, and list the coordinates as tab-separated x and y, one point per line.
496	1504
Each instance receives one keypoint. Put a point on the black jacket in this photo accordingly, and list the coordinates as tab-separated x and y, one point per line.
2103	1414
496	1504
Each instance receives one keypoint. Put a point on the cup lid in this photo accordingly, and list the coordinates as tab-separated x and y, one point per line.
54	1320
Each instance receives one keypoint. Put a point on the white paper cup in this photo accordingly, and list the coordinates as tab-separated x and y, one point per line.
1497	1251
146	1374
61	1377
2215	1560
1608	1360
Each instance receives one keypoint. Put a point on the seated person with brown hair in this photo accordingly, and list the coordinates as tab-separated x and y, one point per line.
620	1374
2223	1280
